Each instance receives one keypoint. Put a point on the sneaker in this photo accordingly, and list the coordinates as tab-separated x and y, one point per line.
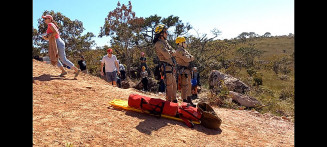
62	74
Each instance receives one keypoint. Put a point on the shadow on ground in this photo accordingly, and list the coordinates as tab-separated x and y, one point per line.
48	77
153	123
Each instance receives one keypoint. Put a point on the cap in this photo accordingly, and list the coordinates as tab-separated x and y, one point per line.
47	16
109	50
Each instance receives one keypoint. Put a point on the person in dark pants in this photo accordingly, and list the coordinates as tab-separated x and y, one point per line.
144	76
162	87
82	65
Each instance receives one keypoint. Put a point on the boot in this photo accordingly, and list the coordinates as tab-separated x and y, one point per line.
194	96
189	100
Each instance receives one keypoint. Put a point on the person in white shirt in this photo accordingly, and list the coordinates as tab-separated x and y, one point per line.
111	67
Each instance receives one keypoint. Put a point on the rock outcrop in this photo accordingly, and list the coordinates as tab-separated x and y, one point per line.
232	83
236	88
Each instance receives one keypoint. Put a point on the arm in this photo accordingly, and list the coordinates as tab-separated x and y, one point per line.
102	68
198	79
162	50
117	66
45	37
184	56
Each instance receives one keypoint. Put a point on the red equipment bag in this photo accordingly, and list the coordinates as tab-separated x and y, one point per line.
187	113
153	105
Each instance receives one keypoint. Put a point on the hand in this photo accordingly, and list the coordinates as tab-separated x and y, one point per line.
102	74
118	72
45	37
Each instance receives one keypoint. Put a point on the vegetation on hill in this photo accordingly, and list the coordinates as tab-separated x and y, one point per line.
265	63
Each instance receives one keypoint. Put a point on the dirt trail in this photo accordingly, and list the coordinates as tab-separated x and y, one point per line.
77	112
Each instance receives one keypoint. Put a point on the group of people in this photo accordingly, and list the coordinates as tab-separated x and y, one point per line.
175	62
172	63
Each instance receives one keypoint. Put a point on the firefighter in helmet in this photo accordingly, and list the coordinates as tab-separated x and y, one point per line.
166	55
184	59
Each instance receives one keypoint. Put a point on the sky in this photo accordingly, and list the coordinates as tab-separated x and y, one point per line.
231	17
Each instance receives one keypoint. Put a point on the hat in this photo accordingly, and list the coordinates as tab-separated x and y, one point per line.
47	16
142	53
109	50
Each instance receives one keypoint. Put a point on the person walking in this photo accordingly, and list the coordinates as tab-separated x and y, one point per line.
165	54
57	46
183	59
111	67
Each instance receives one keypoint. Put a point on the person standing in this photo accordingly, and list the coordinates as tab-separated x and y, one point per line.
82	65
183	59
143	60
111	67
165	54
195	82
144	76
54	36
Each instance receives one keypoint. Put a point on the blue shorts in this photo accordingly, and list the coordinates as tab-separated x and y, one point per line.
111	76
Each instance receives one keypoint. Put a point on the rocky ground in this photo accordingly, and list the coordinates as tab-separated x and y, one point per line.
77	112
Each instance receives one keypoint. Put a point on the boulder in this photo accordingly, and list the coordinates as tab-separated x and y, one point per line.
152	85
232	83
127	83
244	100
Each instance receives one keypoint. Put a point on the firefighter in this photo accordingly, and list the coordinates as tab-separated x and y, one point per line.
183	60
165	54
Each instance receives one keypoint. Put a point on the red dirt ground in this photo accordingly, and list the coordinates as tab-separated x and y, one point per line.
76	112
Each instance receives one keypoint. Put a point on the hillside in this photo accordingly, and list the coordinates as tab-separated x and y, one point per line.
68	111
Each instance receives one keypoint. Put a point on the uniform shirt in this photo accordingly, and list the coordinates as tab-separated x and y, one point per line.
162	49
110	65
183	57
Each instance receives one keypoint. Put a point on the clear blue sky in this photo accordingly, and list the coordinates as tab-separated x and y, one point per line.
231	17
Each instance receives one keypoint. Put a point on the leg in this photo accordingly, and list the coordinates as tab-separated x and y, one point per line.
169	86
145	84
173	97
108	79
62	55
184	87
114	78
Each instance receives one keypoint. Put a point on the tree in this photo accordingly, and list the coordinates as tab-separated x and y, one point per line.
248	54
267	34
124	29
207	52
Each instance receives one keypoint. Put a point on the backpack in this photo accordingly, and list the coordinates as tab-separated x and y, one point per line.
154	105
209	117
187	112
